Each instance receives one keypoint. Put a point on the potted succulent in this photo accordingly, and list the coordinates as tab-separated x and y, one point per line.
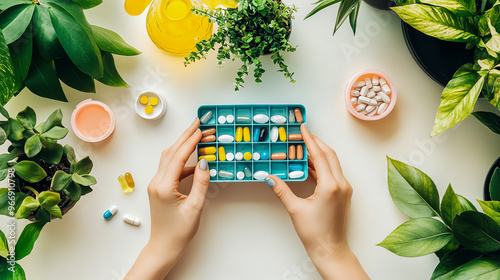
10	255
255	28
466	241
48	179
44	41
474	23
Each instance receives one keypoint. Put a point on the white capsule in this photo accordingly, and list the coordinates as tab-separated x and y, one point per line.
260	175
376	88
230	119
364	91
384	97
364	99
229	156
222	119
295	174
382	82
240	175
238	156
364	112
370	108
359	84
355	93
291	116
371	94
378	98
131	220
375	80
382	108
278	119
274	134
360	107
256	156
373	102
213	172
354	100
372	113
260	118
368	82
386	89
226	138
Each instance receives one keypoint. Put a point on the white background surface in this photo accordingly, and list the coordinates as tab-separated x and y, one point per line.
245	231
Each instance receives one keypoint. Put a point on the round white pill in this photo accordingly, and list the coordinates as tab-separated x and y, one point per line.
238	156
222	119
256	156
240	175
230	118
213	172
229	156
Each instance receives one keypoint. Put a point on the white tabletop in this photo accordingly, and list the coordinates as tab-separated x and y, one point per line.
245	231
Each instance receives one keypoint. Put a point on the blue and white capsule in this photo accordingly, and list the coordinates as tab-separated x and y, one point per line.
110	212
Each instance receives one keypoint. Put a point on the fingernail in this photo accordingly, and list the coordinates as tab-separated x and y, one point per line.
270	182
203	164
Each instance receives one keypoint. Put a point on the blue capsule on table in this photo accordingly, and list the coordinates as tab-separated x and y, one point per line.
264	156
296	167
110	213
256	133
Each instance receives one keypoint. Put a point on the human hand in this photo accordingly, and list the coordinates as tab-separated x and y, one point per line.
321	219
175	217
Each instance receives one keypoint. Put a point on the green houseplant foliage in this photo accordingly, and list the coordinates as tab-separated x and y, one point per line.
47	176
22	248
347	9
253	29
466	241
51	40
475	23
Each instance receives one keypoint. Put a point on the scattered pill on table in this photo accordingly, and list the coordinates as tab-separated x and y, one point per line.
131	220
124	185
110	212
206	117
130	180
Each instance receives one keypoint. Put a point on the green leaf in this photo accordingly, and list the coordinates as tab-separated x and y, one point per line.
477	231
492	92
42	215
111	42
494	42
70	154
437	22
42	80
16	130
459	7
85	180
4	248
321	6
84	166
5	202
417	237
77	42
15	20
28	205
44	35
30	171
87	4
457	101
60	181
492	14
7	74
21	52
353	17
4	5
491	120
492	209
27	117
55	119
495	185
450	246
75	192
450	206
3	136
54	211
478	269
72	76
56	133
49	199
413	192
52	152
466	204
18	273
27	239
452	261
4	112
111	76
345	9
33	146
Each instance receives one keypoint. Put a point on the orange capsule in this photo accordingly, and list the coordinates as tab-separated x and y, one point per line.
291	152
300	152
207	151
208	131
295	137
209	138
298	115
278	156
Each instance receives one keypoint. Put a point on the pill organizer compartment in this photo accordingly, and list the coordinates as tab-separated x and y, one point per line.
244	118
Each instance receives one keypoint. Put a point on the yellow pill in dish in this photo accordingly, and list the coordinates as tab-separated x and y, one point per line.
149	109
144	100
153	101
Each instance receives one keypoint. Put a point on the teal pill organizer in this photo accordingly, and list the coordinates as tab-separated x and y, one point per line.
221	128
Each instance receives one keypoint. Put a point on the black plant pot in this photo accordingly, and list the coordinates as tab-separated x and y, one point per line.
381	4
488	179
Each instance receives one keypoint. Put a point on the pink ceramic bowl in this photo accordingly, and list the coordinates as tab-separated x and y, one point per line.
360	76
92	121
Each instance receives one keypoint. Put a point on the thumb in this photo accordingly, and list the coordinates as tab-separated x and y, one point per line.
200	185
282	191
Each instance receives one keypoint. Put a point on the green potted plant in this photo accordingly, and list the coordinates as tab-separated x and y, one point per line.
44	41
47	177
347	9
10	255
475	23
466	241
255	28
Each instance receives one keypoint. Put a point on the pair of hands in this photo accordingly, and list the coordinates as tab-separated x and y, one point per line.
320	220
